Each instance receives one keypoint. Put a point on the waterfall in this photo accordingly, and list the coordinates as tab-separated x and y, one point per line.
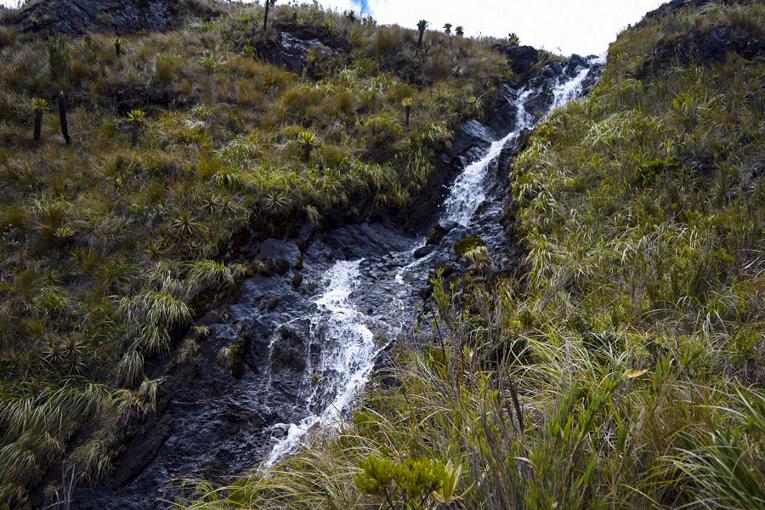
350	354
345	332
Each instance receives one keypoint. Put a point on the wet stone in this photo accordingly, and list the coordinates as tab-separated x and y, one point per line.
424	251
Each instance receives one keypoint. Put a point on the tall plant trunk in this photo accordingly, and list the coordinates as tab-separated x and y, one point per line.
265	21
408	110
62	116
134	134
117	48
419	39
38	124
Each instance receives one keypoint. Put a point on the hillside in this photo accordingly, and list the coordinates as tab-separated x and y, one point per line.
193	136
617	363
623	366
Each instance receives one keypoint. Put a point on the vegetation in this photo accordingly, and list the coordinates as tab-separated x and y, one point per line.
421	26
623	366
40	105
110	247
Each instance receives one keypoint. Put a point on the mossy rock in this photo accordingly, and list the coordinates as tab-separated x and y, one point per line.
299	263
280	267
466	245
263	269
273	304
238	352
297	280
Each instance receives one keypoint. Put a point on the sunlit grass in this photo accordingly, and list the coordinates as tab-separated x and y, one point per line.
626	369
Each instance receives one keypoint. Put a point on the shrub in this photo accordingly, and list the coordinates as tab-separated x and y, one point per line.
7	36
164	70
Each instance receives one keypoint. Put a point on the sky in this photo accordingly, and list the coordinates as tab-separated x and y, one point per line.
585	27
567	26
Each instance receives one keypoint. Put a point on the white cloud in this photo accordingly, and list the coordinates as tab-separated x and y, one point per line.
583	26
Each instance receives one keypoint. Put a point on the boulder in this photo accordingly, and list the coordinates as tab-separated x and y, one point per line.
424	251
522	58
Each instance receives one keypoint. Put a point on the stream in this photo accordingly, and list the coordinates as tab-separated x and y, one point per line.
314	344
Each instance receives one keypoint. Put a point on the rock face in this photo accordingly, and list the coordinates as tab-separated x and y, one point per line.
358	282
78	17
705	46
522	58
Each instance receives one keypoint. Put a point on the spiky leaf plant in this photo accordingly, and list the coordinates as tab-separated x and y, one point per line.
421	26
136	119
39	105
308	140
407	104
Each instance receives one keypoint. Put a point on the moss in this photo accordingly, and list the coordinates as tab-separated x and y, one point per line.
264	269
273	304
297	280
234	357
280	267
466	245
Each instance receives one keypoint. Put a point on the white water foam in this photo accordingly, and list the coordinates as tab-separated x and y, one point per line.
348	350
348	346
565	91
467	192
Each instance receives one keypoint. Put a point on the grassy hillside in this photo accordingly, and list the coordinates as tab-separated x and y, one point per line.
182	143
624	367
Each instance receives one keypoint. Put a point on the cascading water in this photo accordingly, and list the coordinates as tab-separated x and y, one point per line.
314	344
344	330
351	352
468	192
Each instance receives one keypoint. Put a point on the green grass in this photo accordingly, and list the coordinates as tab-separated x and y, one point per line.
108	250
623	367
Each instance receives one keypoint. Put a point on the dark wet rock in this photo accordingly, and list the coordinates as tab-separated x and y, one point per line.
297	280
78	17
291	43
354	241
503	114
575	63
704	46
288	351
275	249
209	319
439	231
473	135
522	58
424	251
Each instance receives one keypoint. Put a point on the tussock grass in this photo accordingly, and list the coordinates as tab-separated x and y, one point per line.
109	247
626	370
